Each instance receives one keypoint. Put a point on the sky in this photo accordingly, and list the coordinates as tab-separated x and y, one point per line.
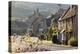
22	9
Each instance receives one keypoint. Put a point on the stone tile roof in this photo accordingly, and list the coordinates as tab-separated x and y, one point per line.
67	14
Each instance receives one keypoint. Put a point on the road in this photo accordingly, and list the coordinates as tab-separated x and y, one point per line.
55	47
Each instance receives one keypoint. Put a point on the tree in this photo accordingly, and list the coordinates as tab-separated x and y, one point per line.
50	32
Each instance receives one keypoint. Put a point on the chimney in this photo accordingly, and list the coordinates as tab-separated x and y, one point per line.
36	11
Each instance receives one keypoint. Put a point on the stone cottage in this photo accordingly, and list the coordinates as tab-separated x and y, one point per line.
68	22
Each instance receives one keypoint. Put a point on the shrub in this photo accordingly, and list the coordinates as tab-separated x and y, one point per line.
73	41
55	40
42	37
